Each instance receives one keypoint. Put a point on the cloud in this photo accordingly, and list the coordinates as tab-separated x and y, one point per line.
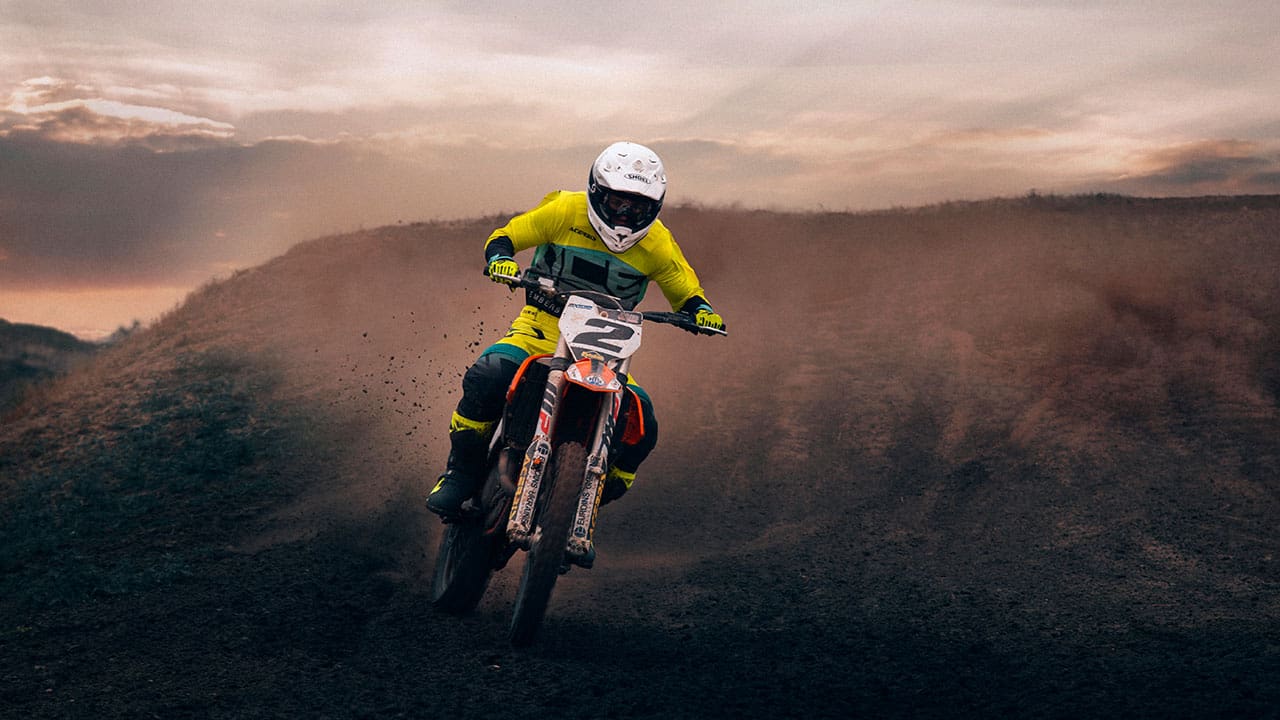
93	199
36	92
157	116
139	140
84	122
88	199
1206	167
58	110
131	212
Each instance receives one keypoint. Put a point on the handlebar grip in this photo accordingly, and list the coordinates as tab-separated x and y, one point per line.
526	280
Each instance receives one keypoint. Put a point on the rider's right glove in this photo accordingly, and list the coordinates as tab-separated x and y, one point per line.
502	265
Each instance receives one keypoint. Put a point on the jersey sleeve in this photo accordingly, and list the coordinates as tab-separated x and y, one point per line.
538	226
676	278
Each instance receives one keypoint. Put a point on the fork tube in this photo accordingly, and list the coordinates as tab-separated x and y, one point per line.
584	522
520	521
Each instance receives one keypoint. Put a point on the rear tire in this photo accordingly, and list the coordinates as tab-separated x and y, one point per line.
547	555
464	564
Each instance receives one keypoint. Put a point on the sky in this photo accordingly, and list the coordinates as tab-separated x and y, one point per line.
147	148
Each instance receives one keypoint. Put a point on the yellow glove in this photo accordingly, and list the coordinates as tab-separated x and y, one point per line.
502	266
709	319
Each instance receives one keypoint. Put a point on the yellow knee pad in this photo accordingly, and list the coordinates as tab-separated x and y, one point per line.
483	428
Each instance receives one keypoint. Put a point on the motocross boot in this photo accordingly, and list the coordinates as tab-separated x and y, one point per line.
469	446
616	484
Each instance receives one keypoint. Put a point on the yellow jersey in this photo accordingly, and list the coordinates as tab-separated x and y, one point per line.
569	250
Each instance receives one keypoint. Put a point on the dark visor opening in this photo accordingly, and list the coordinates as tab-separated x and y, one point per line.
626	209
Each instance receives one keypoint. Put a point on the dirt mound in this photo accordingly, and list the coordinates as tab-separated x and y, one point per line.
30	354
1013	458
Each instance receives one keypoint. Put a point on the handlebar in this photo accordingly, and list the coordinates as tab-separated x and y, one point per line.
684	321
533	281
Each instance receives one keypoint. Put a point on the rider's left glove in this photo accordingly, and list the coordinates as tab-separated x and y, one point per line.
709	319
502	265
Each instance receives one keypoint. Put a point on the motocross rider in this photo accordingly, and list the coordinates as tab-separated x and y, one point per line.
606	239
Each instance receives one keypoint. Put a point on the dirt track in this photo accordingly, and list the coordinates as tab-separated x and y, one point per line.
1004	460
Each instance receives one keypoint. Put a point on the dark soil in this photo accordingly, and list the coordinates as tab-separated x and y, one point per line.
1009	459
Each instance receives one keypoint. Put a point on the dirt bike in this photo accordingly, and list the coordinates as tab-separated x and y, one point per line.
548	458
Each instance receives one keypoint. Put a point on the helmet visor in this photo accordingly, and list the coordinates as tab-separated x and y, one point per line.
628	210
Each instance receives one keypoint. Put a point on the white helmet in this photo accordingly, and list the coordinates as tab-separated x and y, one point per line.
624	194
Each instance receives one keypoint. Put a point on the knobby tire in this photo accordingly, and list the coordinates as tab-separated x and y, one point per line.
546	556
464	564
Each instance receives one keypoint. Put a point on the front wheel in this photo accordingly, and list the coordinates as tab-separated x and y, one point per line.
546	555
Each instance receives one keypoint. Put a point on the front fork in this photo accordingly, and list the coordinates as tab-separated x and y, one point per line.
520	523
584	521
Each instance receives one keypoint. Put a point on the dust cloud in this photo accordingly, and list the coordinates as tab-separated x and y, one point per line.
1063	342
